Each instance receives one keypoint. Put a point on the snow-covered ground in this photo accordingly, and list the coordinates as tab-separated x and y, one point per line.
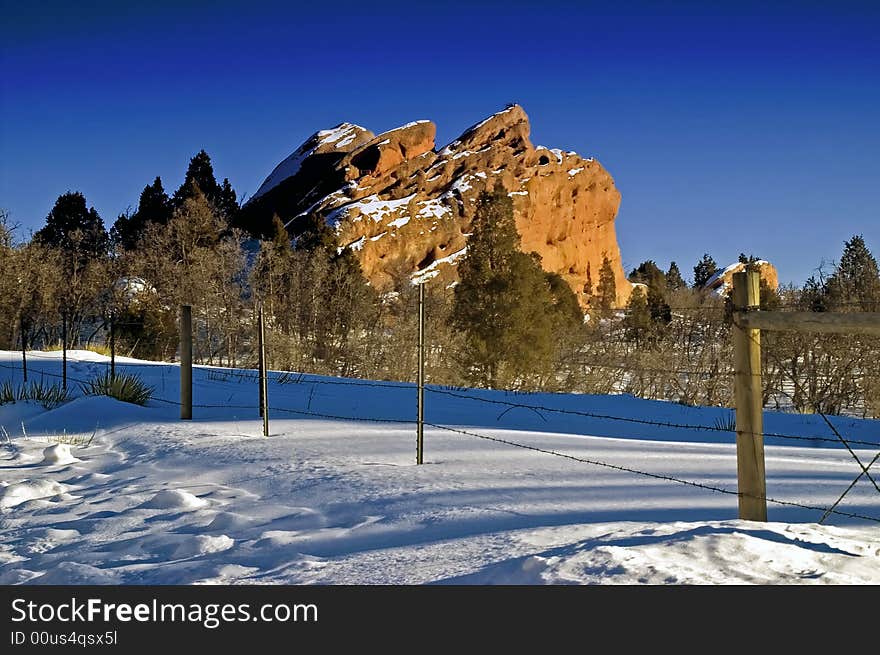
155	500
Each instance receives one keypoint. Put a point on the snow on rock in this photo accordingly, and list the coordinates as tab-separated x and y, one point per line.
722	282
432	271
338	138
20	492
433	209
58	454
567	216
175	499
372	207
286	169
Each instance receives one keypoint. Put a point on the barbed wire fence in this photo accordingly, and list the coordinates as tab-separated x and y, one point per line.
220	374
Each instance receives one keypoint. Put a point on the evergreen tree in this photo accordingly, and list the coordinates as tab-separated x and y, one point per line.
201	173
855	282
566	312
503	304
649	273
637	320
588	285
314	233
606	292
814	296
661	312
674	281
703	271
153	207
74	228
227	202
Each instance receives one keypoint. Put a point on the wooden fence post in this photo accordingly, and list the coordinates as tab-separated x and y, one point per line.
112	348
186	362
420	429
23	349
264	372
64	349
751	482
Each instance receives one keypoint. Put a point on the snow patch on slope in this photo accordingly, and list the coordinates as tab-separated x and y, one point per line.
340	136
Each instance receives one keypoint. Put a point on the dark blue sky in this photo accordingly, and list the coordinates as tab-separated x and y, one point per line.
726	129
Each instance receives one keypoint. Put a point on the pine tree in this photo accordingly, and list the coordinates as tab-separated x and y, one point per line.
661	313
153	207
649	273
201	173
313	233
503	304
814	296
637	320
674	281
588	285
227	203
566	315
855	282
606	292
74	228
703	271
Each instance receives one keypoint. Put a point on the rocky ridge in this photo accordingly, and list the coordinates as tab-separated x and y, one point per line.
406	208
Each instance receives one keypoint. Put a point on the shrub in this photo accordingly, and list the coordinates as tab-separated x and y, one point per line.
127	387
48	395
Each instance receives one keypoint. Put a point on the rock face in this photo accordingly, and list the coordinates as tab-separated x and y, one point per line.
406	209
722	282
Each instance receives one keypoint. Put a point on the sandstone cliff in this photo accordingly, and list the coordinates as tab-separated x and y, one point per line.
406	208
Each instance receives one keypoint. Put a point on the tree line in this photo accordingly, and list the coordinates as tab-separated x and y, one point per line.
506	323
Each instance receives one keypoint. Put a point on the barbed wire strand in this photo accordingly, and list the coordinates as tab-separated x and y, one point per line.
679	426
847	490
658	476
537	408
855	457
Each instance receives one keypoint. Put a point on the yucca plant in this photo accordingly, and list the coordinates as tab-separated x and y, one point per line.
726	424
127	387
48	395
7	393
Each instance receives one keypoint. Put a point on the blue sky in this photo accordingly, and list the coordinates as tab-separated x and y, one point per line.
727	129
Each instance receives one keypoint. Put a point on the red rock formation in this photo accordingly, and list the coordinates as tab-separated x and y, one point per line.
406	209
722	282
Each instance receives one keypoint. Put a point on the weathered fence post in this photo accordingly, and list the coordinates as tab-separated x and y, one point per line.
420	432
112	349
64	349
23	349
264	372
751	482
186	362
